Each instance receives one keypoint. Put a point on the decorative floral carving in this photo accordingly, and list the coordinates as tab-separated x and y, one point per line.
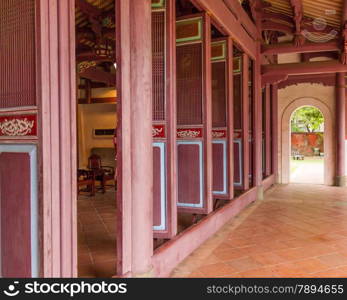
188	133
16	127
218	134
85	65
157	131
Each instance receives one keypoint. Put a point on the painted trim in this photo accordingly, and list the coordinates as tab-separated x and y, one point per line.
159	5
32	151
239	142
163	190
195	38
223	56
201	203
225	162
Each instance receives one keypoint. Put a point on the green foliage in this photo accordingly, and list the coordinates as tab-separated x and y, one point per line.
307	119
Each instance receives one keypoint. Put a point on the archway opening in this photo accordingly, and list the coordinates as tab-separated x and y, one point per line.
307	146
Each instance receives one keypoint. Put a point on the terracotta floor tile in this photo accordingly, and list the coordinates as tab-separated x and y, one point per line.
312	265
227	255
216	270
268	258
334	260
245	264
297	231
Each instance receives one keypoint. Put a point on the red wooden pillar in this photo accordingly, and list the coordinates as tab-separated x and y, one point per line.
245	121
57	82
274	116
135	156
267	122
340	129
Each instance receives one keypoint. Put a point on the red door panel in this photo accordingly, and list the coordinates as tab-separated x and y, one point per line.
15	215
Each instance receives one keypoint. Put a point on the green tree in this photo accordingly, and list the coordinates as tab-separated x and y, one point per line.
307	119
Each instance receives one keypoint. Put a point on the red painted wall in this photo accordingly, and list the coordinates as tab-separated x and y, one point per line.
305	142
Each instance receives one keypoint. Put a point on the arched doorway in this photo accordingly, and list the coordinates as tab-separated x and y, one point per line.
307	146
285	138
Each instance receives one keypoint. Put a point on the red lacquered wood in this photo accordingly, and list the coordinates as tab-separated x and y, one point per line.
245	121
188	131
340	125
218	167
189	168
274	112
15	215
268	137
157	207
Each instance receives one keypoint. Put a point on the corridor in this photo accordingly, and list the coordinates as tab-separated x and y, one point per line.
297	231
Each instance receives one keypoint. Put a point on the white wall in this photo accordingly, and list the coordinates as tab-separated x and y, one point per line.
94	116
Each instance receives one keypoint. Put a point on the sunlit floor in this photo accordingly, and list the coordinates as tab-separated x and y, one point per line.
310	170
97	235
297	231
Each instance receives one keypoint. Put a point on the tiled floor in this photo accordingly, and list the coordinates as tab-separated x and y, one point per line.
97	235
297	231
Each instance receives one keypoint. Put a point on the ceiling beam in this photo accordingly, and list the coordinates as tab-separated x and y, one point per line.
306	48
98	75
88	9
319	67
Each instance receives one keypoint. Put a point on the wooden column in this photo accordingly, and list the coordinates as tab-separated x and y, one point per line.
56	89
135	154
245	120
230	108
274	113
340	129
258	116
268	130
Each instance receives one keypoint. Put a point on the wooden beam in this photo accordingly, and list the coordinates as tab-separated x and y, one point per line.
98	75
319	67
325	79
306	48
227	14
88	9
97	100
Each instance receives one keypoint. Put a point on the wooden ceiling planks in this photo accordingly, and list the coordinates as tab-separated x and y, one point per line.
329	10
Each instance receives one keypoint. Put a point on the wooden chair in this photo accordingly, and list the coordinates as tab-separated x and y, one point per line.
101	173
86	179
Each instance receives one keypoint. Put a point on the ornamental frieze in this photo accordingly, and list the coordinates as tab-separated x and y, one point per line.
192	133
18	126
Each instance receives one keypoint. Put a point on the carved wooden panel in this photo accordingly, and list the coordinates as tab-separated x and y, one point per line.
158	74
15	215
18	126
189	84
17	53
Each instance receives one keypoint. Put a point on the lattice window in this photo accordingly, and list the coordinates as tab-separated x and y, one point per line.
189	84
17	53
158	48
238	101
219	118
